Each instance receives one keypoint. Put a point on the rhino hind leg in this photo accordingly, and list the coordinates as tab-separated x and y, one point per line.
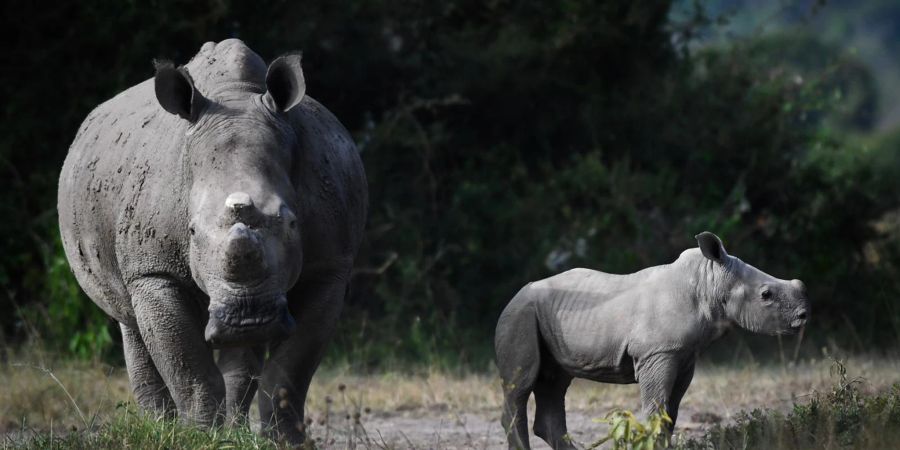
149	389
515	418
518	359
550	407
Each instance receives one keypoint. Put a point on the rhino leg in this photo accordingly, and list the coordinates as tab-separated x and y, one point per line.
681	385
515	418
289	370
662	383
550	407
149	389
518	356
240	367
169	320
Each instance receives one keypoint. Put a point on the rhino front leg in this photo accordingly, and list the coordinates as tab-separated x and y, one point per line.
240	367
149	389
288	372
681	385
657	378
169	320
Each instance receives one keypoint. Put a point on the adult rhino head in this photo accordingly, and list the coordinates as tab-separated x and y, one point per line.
749	297
245	248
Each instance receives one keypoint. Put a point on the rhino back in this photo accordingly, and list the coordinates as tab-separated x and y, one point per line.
600	325
120	198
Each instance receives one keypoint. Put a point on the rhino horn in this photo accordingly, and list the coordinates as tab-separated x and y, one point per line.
243	254
240	207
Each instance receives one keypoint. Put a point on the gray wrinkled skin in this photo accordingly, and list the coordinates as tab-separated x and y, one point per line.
216	206
645	328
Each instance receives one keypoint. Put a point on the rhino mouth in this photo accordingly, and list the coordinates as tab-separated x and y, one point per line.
793	328
245	320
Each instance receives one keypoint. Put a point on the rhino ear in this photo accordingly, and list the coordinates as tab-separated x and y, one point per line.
175	91
711	246
285	85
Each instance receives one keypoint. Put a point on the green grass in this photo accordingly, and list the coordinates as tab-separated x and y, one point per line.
129	429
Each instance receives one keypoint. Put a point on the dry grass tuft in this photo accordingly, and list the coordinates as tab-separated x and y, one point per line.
37	390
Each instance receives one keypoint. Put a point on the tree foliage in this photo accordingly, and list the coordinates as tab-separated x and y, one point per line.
504	141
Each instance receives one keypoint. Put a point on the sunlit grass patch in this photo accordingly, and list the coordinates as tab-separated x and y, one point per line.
37	390
129	429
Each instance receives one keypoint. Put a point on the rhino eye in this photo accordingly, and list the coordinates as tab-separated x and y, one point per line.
192	230
766	294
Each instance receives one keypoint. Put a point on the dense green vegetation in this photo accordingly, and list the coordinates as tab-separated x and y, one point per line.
504	141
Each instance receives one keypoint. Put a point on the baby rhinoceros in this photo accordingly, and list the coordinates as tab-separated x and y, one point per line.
644	328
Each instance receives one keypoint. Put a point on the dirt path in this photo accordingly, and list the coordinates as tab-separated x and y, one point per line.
466	430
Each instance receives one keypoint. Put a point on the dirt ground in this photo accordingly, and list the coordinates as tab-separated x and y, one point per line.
468	430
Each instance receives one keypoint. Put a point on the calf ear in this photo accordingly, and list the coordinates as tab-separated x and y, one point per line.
711	246
285	85
175	91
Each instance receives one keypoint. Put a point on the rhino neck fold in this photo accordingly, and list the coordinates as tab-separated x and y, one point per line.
710	284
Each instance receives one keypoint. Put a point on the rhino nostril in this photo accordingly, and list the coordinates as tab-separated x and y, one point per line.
802	315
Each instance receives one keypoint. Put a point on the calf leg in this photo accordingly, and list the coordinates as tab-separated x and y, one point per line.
515	418
518	357
657	377
149	389
550	412
681	384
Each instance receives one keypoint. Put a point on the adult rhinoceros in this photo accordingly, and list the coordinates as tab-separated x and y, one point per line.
216	206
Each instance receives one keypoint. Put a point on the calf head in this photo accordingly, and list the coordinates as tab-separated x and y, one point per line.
245	248
751	298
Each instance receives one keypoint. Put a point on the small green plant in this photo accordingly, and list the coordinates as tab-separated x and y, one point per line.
626	431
